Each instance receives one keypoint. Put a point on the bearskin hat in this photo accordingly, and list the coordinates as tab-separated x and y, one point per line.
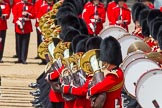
0	11
78	5
64	30
81	45
71	6
56	41
70	20
70	34
76	39
153	21
83	27
111	51
63	11
152	15
145	28
136	9
159	37
93	43
120	0
92	0
146	0
155	28
143	15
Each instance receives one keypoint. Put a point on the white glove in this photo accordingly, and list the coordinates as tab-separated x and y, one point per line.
39	29
92	27
19	24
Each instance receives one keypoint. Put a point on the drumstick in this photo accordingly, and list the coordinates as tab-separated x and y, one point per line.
155	104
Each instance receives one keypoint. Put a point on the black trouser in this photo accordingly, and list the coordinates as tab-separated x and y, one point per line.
23	44
58	104
16	38
39	38
2	42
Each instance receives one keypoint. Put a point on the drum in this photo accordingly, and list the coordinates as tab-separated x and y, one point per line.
134	70
149	89
130	57
125	41
115	31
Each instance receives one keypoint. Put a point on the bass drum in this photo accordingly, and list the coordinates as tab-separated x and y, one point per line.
125	41
133	72
115	31
149	89
130	57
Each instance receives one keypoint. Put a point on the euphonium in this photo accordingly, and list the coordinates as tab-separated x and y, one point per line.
57	5
90	61
62	52
51	47
91	64
43	49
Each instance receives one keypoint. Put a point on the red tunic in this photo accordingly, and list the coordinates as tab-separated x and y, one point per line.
153	44
110	7
138	33
6	13
161	9
41	8
81	101
17	13
37	5
88	16
113	13
55	96
112	84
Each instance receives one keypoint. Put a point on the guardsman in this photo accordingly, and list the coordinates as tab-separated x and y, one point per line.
148	3
4	15
94	15
112	84
41	8
119	14
159	38
23	12
81	91
138	10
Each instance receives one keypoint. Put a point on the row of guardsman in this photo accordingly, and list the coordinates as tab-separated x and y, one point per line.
73	59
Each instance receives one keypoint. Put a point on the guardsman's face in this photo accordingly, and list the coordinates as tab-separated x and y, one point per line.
1	1
121	3
96	1
25	0
50	1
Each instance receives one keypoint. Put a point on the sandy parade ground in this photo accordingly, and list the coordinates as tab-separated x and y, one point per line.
16	77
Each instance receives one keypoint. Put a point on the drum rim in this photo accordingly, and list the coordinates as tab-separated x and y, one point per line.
142	76
129	35
131	54
126	36
112	26
137	80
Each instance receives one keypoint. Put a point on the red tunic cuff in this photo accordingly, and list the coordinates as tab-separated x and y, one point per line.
66	89
56	73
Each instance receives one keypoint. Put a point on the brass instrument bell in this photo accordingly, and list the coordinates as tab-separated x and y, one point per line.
87	60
